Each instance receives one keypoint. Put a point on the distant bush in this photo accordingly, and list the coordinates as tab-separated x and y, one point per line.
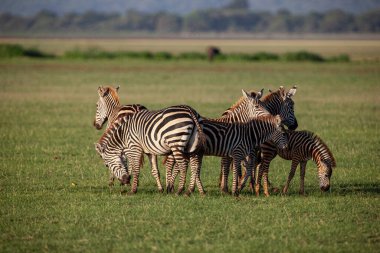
339	58
91	53
14	50
162	56
9	50
191	56
302	56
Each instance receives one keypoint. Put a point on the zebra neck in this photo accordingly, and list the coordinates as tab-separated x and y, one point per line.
272	103
261	130
320	152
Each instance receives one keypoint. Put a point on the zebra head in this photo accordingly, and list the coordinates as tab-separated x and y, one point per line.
107	101
287	109
324	174
280	136
114	163
255	106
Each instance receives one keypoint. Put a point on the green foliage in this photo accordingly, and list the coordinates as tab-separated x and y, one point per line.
9	50
191	56
14	50
302	56
339	58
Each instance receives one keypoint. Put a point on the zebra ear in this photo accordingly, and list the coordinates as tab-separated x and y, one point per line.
100	90
259	94
291	92
245	94
117	88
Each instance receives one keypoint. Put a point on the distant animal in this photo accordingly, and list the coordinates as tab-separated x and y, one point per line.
175	130
302	146
212	52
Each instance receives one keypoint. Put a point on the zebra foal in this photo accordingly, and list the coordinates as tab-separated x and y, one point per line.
174	130
302	146
236	141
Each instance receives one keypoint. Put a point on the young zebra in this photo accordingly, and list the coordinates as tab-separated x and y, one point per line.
276	103
175	130
240	140
248	107
302	146
108	109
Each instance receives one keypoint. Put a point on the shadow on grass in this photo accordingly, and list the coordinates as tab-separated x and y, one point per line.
348	189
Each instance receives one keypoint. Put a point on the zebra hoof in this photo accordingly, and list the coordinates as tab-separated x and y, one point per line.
161	190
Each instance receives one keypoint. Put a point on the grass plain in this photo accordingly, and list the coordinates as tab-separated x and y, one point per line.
53	187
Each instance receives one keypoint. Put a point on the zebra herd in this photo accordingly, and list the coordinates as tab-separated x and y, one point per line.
250	133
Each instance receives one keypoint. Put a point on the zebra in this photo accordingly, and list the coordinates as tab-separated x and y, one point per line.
175	130
302	146
108	109
279	103
236	141
248	107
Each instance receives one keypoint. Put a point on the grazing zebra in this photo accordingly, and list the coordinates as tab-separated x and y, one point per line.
175	130
108	109
276	103
248	107
302	146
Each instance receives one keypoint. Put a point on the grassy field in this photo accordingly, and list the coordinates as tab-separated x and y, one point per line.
53	187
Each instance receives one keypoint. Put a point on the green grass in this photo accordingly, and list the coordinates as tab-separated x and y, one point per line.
53	187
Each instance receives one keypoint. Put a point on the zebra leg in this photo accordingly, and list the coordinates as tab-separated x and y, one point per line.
169	162
250	165
235	181
290	176
175	172
182	179
125	163
225	168
155	171
135	162
195	164
302	178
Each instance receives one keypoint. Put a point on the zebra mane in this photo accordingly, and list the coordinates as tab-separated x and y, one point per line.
113	128
322	146
275	95
112	91
238	103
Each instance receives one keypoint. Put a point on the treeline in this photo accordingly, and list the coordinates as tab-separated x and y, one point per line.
14	50
235	17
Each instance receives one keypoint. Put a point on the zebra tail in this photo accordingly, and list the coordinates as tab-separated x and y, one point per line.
201	135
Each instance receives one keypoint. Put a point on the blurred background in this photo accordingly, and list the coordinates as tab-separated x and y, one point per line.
180	18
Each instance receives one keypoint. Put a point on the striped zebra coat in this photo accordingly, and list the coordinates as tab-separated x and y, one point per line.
302	146
248	107
173	130
108	109
236	141
276	103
